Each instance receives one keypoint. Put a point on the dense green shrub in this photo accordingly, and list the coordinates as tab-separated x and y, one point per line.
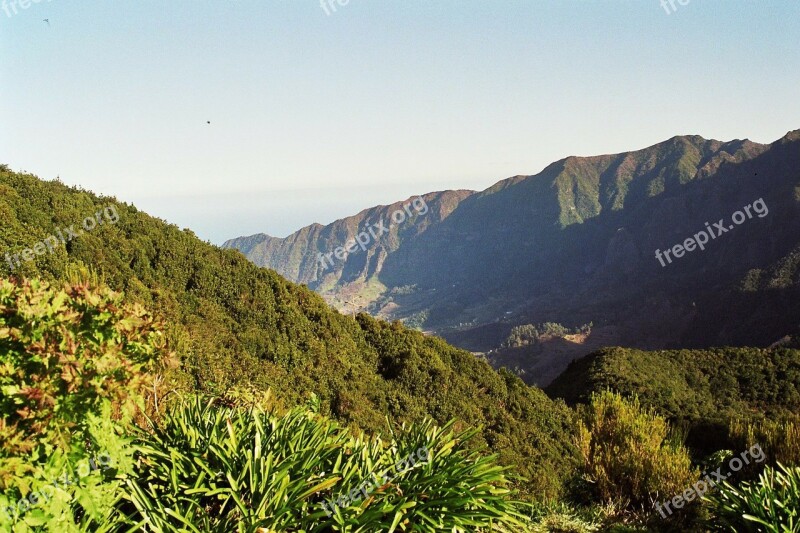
212	467
771	504
629	455
68	490
72	364
65	354
780	438
561	518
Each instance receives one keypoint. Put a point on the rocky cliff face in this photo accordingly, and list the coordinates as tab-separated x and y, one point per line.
309	255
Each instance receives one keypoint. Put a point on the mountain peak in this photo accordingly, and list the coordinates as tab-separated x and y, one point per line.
792	136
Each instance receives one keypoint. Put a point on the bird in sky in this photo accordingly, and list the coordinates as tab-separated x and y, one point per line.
47	21
208	122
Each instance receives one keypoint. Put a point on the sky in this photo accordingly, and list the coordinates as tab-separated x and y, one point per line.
320	110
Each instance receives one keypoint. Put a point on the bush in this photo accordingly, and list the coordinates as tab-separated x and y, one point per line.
65	354
70	490
69	360
780	438
629	457
213	467
563	523
558	517
770	504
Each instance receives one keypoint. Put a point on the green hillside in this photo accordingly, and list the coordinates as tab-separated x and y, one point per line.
704	384
232	323
81	451
204	333
698	389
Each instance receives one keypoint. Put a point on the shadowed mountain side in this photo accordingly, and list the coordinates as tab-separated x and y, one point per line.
760	310
605	270
521	219
576	244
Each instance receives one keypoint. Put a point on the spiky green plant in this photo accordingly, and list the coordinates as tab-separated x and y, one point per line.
209	467
771	504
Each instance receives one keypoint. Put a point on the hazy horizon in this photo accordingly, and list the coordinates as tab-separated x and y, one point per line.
316	116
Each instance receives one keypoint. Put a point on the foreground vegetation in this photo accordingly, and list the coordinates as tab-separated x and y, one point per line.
215	396
88	446
233	324
770	504
220	468
77	363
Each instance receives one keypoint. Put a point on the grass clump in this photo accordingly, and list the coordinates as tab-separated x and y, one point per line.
630	457
770	504
215	467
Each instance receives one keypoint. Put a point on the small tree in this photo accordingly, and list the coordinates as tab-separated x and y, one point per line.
628	455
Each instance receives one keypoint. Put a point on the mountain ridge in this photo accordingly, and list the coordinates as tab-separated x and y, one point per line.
257	246
576	242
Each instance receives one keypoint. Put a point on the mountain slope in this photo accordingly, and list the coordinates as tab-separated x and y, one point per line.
233	323
701	390
296	256
576	243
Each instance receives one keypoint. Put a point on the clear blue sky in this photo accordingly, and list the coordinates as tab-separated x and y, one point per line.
316	116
